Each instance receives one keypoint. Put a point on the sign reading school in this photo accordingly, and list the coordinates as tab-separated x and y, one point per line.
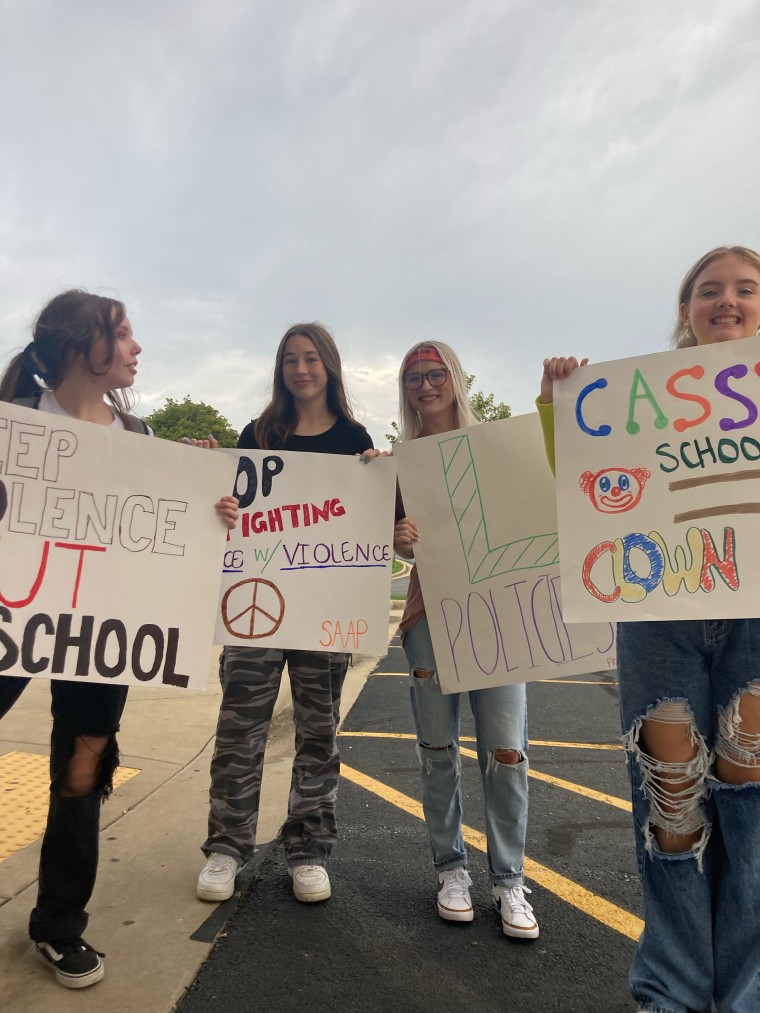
109	552
658	485
483	500
308	567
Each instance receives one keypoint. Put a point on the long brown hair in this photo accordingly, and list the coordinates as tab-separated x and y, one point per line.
278	420
66	330
682	336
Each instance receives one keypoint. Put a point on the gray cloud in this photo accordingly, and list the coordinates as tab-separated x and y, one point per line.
516	179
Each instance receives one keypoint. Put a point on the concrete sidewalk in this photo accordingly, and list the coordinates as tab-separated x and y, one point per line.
144	910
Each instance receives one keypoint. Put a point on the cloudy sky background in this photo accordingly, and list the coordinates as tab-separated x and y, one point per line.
515	178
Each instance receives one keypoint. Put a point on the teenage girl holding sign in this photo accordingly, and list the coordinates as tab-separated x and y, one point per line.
690	708
433	399
84	352
308	412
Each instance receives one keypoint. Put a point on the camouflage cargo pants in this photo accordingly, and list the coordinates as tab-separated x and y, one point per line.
250	680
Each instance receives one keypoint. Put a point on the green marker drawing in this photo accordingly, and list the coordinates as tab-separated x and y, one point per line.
483	561
271	555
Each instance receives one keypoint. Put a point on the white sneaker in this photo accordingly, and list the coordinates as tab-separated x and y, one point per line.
454	902
310	883
517	918
217	879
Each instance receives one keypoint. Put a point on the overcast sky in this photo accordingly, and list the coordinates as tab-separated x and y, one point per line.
515	178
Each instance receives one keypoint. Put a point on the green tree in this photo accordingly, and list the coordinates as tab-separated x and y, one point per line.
392	437
191	418
484	406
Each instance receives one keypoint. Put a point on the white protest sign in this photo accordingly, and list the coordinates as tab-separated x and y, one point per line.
483	500
309	565
109	552
658	483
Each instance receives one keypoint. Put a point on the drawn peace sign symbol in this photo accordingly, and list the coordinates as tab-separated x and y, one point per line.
261	609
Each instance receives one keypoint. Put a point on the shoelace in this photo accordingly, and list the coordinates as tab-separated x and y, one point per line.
456	885
220	863
516	901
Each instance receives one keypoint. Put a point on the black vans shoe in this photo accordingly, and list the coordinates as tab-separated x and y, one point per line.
74	961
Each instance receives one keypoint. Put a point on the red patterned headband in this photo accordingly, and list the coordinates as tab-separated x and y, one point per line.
426	353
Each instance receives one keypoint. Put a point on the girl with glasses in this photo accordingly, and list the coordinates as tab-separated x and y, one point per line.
433	399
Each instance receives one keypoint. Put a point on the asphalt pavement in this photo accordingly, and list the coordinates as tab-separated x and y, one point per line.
144	913
379	945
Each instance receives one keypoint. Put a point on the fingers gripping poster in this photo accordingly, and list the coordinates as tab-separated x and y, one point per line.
484	503
109	553
309	565
658	483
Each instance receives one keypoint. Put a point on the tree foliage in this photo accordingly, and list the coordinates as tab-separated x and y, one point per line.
392	437
484	406
191	418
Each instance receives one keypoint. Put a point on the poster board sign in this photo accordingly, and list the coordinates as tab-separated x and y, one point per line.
109	552
309	565
483	500
658	485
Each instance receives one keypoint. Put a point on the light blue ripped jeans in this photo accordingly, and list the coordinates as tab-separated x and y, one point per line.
701	938
500	723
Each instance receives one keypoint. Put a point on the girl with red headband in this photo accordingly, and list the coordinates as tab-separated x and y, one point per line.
433	399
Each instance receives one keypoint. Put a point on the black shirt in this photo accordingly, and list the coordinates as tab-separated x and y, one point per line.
340	438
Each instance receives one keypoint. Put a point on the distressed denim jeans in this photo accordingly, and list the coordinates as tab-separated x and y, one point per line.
701	940
70	845
500	723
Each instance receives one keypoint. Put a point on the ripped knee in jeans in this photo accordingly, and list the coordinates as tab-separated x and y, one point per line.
423	673
439	757
674	762
506	755
737	747
85	764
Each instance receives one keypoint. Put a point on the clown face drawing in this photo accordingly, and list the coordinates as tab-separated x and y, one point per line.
614	490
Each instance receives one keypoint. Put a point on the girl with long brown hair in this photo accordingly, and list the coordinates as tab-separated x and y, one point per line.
308	412
81	363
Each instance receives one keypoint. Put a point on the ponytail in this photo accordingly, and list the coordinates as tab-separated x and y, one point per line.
66	330
20	378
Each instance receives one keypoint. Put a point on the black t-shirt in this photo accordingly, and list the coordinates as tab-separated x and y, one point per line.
340	438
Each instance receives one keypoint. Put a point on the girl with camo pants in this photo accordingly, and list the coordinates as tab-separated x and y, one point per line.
308	412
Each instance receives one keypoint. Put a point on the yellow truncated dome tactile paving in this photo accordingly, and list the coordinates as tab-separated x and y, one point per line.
24	792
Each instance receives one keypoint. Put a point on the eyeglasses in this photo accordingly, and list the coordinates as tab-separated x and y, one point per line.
436	378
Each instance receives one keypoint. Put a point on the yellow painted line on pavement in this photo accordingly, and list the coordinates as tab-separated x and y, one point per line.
577	682
577	896
577	745
383	735
559	679
558	782
469	738
579	789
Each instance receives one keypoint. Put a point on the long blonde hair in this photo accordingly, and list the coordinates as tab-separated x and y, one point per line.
411	423
683	336
278	420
